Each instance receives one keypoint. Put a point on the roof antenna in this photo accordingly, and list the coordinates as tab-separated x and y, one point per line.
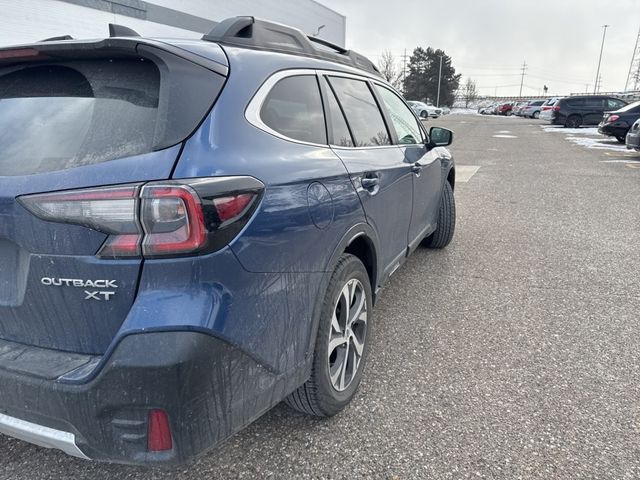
121	31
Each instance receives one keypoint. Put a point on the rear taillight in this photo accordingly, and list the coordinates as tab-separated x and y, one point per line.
172	219
612	118
156	219
556	108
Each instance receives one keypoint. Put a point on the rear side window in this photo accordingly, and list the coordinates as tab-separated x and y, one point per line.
614	103
293	108
575	102
362	112
597	103
70	114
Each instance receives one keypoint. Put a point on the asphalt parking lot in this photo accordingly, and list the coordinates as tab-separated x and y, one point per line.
514	353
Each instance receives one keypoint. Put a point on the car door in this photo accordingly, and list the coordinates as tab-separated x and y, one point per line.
593	110
377	168
425	164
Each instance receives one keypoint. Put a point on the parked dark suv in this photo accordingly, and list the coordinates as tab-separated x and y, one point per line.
195	230
575	111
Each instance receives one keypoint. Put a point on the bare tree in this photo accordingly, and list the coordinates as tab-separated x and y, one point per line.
389	69
469	92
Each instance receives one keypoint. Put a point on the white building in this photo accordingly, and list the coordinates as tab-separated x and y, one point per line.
26	21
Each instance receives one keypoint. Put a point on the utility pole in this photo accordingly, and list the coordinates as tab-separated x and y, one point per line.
404	71
524	69
439	80
633	78
604	33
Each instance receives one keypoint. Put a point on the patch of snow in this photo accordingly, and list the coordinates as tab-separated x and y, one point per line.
504	136
597	143
503	131
571	131
620	161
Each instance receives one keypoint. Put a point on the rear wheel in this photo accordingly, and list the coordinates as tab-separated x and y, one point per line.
621	139
536	115
573	121
446	221
342	344
424	114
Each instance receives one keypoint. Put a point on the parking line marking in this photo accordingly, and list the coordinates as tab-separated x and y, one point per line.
465	172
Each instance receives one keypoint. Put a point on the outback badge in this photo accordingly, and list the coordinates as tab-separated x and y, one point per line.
102	294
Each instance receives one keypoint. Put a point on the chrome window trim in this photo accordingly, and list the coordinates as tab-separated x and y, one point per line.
40	435
252	112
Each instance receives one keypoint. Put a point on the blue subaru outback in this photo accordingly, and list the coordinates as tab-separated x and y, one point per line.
193	231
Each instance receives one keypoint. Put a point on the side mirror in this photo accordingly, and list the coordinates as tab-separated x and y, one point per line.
440	137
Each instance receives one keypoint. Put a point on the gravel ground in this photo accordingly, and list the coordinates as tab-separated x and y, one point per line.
511	354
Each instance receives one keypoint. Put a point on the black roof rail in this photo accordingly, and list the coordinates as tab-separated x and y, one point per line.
250	32
121	31
325	43
56	39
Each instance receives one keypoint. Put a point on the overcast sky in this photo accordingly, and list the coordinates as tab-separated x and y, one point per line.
489	40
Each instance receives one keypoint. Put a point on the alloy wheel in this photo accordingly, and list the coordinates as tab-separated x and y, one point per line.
347	335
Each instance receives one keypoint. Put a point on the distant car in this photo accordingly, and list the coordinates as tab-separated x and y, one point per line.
518	107
633	136
505	109
423	110
532	110
446	110
617	123
487	109
547	108
572	112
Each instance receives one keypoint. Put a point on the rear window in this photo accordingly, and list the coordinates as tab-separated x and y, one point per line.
631	108
65	115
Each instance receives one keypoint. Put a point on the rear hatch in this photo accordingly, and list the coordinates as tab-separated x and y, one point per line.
76	115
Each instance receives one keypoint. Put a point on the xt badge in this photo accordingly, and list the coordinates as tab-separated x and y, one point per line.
100	295
106	296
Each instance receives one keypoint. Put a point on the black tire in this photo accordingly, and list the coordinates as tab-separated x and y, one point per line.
446	221
621	139
318	396
536	115
424	114
573	121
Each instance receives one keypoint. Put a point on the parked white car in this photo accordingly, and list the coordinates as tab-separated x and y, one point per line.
423	110
547	108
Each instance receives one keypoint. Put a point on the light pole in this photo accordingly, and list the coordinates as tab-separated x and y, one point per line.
604	33
439	80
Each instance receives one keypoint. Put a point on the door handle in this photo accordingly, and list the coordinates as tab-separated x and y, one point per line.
370	183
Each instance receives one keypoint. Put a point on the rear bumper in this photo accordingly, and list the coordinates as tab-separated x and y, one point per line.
208	388
612	131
